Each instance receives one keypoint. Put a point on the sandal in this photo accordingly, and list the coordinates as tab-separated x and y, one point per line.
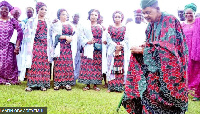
8	84
118	91
43	89
68	87
28	89
96	88
108	91
86	88
56	88
195	99
105	86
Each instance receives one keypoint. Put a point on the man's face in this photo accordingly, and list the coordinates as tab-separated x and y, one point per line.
138	18
181	14
150	14
76	18
29	13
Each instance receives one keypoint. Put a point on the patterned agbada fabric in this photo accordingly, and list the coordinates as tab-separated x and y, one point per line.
8	62
192	34
91	69
63	65
162	86
131	100
39	73
117	36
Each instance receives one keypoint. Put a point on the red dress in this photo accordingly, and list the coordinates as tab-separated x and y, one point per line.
63	65
91	69
117	35
39	74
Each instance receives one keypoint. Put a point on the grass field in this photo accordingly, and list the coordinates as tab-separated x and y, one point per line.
69	102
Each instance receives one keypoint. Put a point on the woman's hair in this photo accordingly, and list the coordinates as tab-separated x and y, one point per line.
93	10
122	15
59	12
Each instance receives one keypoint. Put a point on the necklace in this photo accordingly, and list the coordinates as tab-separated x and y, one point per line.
4	20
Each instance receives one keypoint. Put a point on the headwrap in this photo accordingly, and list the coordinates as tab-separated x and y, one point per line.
138	11
59	12
191	6
13	11
5	3
147	3
39	5
122	15
29	8
93	10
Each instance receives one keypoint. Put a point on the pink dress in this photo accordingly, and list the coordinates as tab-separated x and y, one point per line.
193	65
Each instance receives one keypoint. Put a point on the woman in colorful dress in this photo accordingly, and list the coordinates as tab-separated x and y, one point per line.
117	54
94	52
65	47
8	62
38	50
191	28
162	85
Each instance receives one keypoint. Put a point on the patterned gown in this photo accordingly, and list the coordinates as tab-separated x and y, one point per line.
117	35
161	88
63	65
91	69
8	62
39	73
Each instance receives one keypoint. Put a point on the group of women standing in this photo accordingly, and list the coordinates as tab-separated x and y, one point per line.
106	51
47	41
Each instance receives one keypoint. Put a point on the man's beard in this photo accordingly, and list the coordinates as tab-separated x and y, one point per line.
138	21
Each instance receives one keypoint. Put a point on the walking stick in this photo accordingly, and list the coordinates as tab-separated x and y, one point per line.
120	102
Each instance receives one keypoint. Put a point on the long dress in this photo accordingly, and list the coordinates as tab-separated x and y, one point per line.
193	65
8	62
162	87
117	36
39	73
91	69
63	65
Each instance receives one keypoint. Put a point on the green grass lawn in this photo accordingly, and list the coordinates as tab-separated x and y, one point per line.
69	102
